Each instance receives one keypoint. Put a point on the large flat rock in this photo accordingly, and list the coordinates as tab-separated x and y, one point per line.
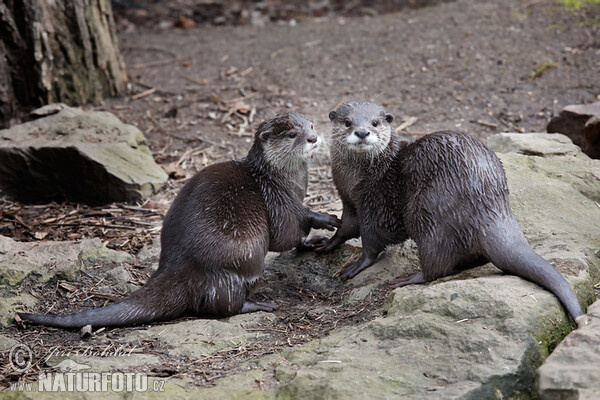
45	261
89	157
573	370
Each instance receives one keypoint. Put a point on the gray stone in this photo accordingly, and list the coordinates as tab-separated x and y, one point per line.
201	337
119	279
47	110
573	370
592	136
571	122
6	343
76	363
533	144
150	253
89	157
43	261
47	260
8	305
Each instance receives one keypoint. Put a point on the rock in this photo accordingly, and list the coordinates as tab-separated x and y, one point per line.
57	260
571	121
449	339
101	363
533	144
47	110
8	305
89	157
592	136
6	343
43	261
150	254
573	370
201	337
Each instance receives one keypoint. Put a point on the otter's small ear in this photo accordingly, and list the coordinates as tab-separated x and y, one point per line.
332	115
389	118
263	135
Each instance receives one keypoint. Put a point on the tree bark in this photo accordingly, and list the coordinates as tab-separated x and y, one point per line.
57	51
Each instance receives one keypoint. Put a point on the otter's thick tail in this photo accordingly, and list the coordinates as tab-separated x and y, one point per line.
143	306
511	253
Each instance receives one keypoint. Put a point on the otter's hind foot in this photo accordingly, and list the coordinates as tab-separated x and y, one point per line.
413	279
327	245
313	243
252	306
351	270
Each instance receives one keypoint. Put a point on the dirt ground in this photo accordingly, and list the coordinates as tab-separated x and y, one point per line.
198	93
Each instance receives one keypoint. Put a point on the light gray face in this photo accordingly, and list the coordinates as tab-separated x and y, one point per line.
288	139
360	128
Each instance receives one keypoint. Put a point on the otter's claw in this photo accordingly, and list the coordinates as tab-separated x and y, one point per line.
351	270
407	280
326	246
315	242
325	221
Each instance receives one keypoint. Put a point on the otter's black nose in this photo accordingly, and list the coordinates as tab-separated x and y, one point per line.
362	133
311	138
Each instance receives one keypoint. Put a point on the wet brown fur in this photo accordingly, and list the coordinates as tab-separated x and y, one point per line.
217	232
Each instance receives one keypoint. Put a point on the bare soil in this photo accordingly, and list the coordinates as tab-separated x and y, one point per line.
198	93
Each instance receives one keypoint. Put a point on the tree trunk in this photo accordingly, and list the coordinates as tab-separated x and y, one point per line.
57	51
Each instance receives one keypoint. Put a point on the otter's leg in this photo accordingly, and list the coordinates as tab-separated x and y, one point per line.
438	259
371	249
227	295
417	278
364	262
350	229
413	279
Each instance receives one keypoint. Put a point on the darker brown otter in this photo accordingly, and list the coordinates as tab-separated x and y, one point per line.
218	230
447	191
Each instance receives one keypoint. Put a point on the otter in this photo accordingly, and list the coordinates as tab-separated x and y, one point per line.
218	230
447	191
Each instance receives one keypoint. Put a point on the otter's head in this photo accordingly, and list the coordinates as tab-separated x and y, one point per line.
360	128
287	140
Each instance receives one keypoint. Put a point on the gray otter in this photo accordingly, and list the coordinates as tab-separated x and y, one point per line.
218	230
446	191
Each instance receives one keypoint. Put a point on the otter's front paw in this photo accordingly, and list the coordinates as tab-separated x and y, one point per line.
326	221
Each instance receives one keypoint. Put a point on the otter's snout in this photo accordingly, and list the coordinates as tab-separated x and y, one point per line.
361	133
312	138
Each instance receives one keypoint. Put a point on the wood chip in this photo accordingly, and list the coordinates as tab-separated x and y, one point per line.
85	332
143	94
409	121
486	123
67	286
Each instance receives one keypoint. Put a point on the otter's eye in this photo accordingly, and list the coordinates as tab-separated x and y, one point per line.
375	123
311	127
292	134
348	123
